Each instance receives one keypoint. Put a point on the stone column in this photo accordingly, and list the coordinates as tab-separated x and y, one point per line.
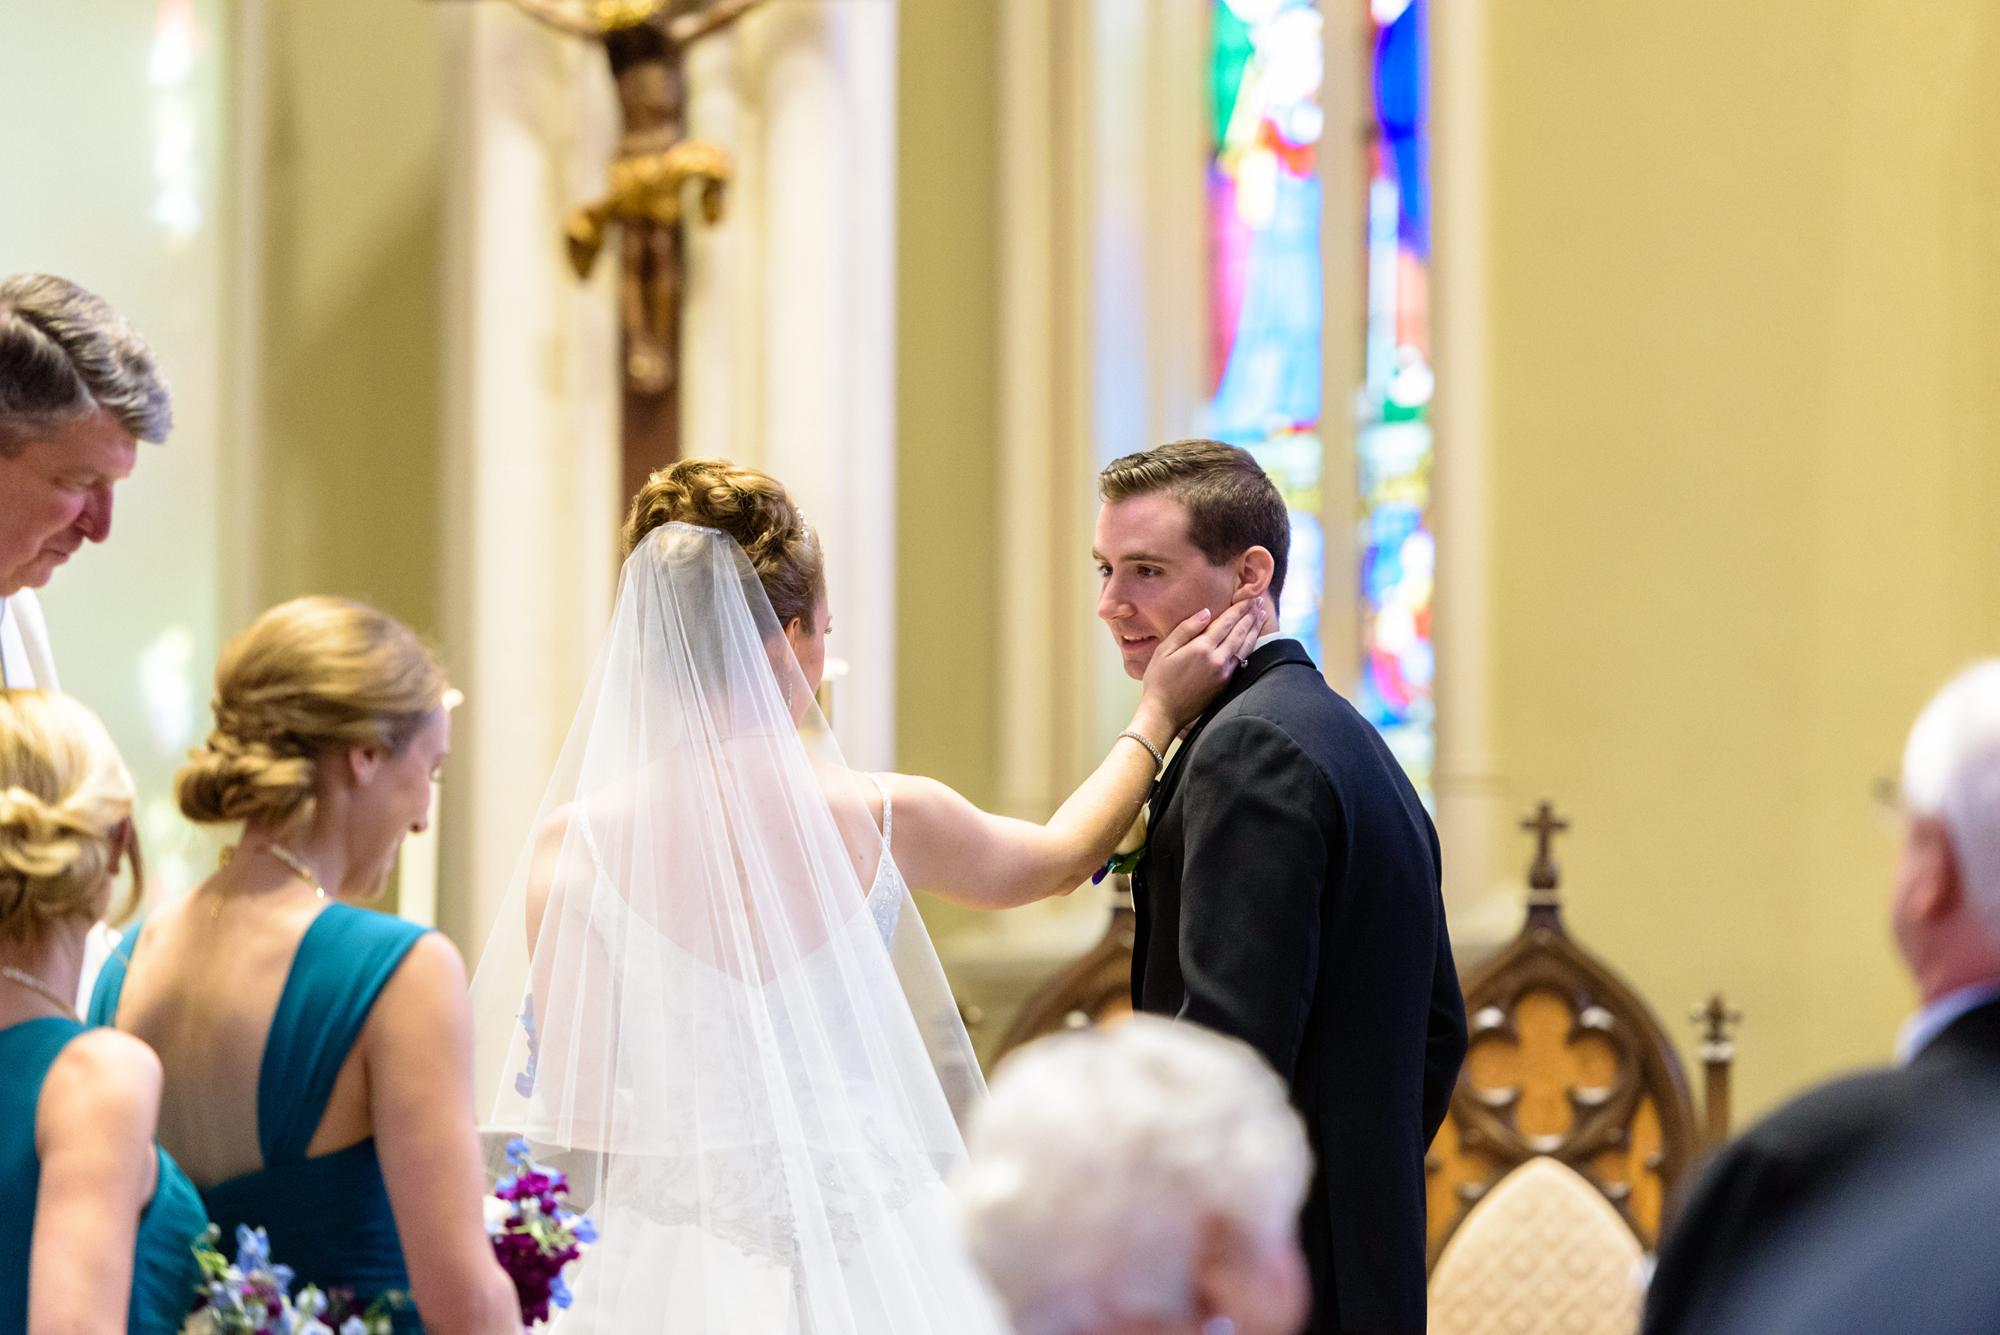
790	321
531	459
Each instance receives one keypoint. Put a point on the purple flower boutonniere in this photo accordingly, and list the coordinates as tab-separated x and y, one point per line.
1130	849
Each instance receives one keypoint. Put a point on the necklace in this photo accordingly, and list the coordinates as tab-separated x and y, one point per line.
299	869
34	984
282	854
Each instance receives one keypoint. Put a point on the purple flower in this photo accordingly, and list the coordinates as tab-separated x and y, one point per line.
534	1235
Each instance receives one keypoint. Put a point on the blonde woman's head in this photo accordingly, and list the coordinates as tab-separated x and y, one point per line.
310	681
65	812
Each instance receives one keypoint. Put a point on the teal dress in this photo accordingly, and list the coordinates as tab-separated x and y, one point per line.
164	1273
110	984
327	1217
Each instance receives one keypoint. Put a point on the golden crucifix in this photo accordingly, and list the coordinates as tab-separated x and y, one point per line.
647	43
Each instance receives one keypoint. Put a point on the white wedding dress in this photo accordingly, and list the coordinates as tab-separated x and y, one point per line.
748	1065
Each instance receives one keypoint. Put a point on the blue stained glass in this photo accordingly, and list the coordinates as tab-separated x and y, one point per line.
1272	380
1401	98
1266	63
1393	446
1305	582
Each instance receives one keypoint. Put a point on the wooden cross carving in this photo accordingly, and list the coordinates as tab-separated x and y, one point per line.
647	42
1546	873
1718	1019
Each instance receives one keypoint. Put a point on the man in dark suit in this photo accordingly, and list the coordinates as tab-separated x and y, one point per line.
1289	890
1760	1197
1903	1246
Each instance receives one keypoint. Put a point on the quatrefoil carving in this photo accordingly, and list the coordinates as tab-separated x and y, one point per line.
1564	1061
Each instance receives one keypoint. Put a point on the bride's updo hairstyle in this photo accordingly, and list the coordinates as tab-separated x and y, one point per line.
63	792
310	678
752	508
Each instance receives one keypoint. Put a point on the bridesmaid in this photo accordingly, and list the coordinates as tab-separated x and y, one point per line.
114	1221
319	1055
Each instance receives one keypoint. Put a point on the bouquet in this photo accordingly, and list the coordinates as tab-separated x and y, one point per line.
253	1296
534	1234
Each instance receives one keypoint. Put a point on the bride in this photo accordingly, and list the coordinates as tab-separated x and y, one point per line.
707	997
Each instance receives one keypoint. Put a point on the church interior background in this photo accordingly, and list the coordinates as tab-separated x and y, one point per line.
1630	372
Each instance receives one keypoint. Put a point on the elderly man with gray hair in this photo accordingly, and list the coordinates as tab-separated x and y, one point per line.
1842	1149
1143	1179
78	391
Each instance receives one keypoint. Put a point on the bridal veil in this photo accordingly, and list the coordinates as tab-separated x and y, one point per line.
706	999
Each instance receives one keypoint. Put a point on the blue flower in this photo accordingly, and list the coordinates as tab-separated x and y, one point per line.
559	1293
586	1232
524	1083
253	1248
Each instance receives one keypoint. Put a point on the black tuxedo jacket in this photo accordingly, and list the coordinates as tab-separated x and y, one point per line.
1289	897
1788	1167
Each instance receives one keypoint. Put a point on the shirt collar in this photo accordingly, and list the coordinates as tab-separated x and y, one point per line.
1263	640
1933	1019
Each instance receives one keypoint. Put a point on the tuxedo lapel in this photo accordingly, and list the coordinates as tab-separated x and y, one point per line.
1277	652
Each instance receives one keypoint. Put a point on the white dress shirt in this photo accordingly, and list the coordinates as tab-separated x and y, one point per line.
1263	640
25	660
1933	1019
28	665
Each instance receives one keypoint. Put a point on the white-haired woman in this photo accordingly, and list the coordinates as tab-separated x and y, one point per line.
1143	1179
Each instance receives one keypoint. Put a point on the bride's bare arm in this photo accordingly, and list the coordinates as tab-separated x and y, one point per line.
946	845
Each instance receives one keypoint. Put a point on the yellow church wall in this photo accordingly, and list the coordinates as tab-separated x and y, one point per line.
350	185
101	187
1744	278
947	402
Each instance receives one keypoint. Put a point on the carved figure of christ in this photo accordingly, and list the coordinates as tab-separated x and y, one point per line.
647	49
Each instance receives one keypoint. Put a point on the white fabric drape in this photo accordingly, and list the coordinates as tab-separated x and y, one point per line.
688	1004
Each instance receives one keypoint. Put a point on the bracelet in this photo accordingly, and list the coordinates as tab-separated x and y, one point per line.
1159	760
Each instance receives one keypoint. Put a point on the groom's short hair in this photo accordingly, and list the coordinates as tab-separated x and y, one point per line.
1232	504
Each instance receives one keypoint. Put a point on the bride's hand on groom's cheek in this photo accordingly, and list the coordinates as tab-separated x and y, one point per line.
1197	659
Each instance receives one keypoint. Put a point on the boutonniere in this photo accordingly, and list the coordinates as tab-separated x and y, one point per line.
1130	849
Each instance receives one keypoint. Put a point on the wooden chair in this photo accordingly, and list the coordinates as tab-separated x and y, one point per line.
1096	988
1570	1128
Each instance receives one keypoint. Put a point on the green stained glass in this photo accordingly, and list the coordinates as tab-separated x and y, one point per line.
1230	52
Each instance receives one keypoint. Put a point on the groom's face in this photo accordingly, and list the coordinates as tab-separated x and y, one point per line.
1153	578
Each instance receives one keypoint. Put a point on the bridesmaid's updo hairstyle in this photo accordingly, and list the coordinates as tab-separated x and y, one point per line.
64	791
752	508
308	679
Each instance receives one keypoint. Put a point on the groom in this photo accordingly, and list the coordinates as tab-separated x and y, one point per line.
1288	893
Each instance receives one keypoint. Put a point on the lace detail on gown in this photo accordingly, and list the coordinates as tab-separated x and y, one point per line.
885	897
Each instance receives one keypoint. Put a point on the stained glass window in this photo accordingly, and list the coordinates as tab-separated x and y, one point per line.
1266	64
1393	440
1266	314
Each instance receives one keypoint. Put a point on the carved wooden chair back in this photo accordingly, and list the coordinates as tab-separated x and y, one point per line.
1566	1061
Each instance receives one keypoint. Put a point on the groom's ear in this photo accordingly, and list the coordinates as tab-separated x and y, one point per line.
1253	572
